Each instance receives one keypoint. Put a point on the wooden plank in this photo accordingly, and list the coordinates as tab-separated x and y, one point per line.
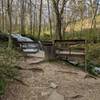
69	42
70	54
47	43
65	49
26	42
71	48
76	40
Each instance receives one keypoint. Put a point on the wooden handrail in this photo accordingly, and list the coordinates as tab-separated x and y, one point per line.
26	42
70	42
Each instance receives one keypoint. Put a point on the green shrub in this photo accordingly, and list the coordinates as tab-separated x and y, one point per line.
8	60
94	54
46	37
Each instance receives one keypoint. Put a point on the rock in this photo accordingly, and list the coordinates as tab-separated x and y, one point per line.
53	85
55	96
97	70
45	93
73	62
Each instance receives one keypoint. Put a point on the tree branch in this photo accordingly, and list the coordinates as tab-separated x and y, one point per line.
63	5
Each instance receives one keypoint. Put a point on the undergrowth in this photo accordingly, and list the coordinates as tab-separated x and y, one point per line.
9	58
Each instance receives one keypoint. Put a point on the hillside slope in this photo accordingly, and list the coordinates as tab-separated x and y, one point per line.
86	24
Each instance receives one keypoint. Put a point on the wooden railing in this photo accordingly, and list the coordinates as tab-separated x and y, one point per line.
68	48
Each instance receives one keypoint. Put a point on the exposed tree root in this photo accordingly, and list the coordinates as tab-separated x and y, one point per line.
67	72
89	76
18	80
31	69
39	62
76	96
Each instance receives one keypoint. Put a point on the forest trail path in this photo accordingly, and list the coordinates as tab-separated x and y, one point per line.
70	81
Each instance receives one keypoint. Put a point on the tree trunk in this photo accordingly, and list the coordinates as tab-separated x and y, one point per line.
22	17
35	18
2	16
40	18
49	18
9	6
59	16
58	28
31	17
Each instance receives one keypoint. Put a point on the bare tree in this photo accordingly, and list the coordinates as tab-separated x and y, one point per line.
94	6
2	2
9	9
35	17
59	15
31	16
49	14
22	19
40	18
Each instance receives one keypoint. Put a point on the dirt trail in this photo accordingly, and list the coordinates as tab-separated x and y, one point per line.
72	86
